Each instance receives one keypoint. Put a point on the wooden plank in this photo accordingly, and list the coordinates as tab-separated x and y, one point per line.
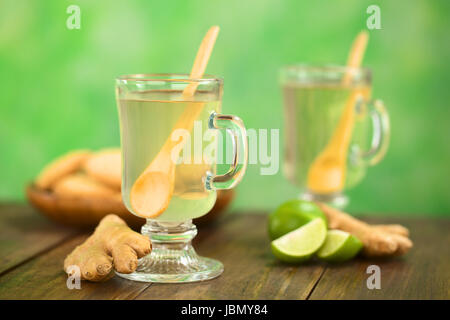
24	233
44	278
251	272
422	274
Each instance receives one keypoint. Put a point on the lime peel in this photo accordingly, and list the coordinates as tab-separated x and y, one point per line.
291	215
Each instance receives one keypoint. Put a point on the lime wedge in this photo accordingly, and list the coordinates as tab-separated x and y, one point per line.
299	245
339	246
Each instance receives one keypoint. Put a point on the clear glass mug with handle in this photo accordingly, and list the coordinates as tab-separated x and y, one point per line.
154	114
333	129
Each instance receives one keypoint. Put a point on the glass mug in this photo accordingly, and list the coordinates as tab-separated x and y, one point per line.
333	130
150	107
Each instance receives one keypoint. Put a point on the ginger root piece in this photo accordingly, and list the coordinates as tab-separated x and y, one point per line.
392	228
79	185
113	244
105	166
378	240
61	167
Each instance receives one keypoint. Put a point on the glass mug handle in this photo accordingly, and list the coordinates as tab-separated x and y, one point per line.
235	127
380	136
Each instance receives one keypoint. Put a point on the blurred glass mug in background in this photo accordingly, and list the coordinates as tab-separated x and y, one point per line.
333	130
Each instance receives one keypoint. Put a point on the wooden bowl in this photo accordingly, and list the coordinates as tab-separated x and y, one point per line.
78	212
87	212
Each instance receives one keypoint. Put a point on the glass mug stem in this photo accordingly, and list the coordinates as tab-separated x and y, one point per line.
173	258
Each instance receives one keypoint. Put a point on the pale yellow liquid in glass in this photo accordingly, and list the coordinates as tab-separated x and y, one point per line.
147	119
312	116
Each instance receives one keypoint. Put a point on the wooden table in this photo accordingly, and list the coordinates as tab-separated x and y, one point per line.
32	250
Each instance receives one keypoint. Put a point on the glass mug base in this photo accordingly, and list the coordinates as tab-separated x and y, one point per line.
173	259
337	200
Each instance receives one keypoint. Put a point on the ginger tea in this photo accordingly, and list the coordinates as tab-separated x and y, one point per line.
312	113
147	121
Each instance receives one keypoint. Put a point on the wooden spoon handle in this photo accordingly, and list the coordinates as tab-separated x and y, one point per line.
201	60
193	110
337	147
356	55
341	138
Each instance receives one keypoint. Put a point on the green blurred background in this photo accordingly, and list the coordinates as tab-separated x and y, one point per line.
57	85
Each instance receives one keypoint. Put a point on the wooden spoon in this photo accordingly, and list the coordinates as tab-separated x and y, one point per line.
327	173
152	191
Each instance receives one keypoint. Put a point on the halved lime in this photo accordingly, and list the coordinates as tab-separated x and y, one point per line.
292	215
339	246
299	245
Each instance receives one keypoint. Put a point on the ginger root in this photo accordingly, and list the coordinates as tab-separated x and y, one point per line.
79	185
61	167
378	240
113	243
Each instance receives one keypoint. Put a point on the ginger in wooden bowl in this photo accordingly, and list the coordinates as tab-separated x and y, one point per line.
81	187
